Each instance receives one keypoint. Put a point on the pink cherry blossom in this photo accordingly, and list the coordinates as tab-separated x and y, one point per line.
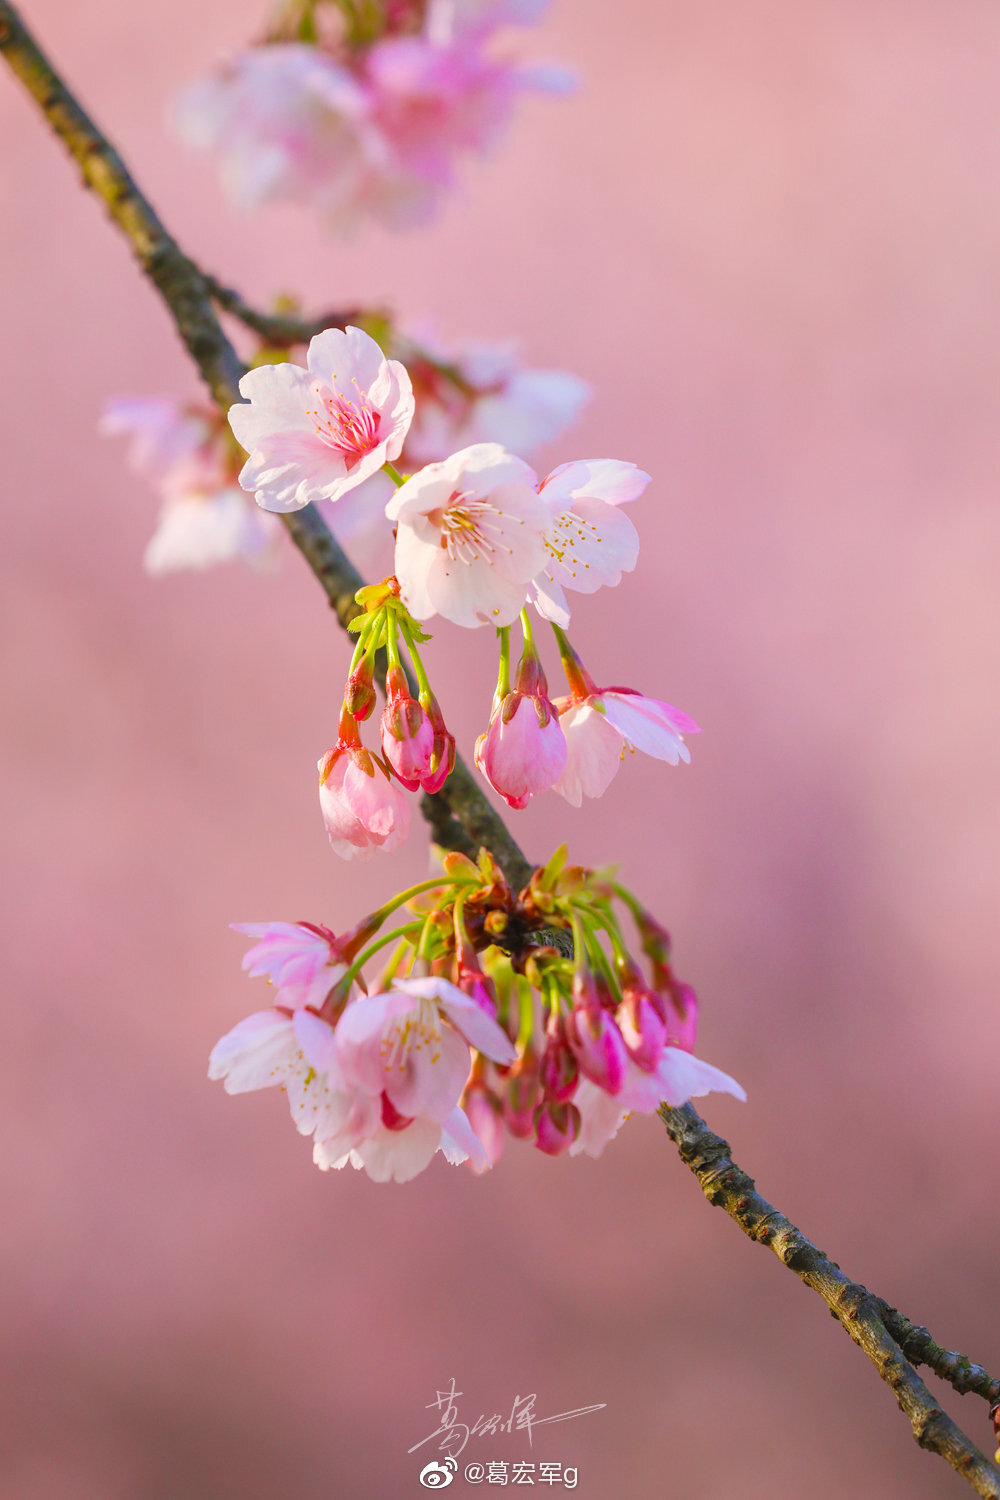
523	751
410	1048
469	537
205	517
287	122
678	1077
432	99
258	1053
412	1043
600	726
300	960
314	434
448	19
478	393
397	1155
363	809
589	542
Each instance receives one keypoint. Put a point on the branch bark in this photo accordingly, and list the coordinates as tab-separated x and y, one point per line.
884	1334
460	816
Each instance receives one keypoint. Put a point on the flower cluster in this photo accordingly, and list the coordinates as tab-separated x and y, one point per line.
474	392
362	111
497	1014
187	453
479	537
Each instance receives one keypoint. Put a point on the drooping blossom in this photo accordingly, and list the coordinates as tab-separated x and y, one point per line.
205	518
363	808
677	1077
315	433
287	121
300	960
409	1047
601	726
469	537
297	1050
589	542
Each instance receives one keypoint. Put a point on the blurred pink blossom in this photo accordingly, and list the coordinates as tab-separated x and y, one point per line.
205	517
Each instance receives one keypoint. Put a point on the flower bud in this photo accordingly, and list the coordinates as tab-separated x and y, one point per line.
642	1027
598	1047
485	1115
559	1072
557	1126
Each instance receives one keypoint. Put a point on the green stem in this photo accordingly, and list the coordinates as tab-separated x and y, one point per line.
503	675
350	975
419	671
397	478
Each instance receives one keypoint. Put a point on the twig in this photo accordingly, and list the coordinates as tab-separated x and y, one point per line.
279	329
878	1329
460	817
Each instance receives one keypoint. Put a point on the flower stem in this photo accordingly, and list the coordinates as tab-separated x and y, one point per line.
397	478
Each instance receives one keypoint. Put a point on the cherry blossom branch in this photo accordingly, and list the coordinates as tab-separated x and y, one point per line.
460	817
888	1338
280	329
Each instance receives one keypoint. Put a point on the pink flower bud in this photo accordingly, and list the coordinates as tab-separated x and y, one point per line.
557	1126
642	1027
522	1096
407	733
598	1047
485	1115
362	808
524	750
682	1017
560	1071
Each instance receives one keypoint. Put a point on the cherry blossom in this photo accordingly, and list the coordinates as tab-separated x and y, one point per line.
300	960
315	433
478	393
409	1047
288	122
469	537
677	1077
589	542
432	99
205	517
363	808
601	725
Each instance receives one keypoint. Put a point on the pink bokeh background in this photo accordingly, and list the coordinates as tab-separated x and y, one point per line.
768	235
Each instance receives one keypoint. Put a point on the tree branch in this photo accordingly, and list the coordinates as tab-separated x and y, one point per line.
884	1335
460	816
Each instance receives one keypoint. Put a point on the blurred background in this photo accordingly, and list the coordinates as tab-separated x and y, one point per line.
768	235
